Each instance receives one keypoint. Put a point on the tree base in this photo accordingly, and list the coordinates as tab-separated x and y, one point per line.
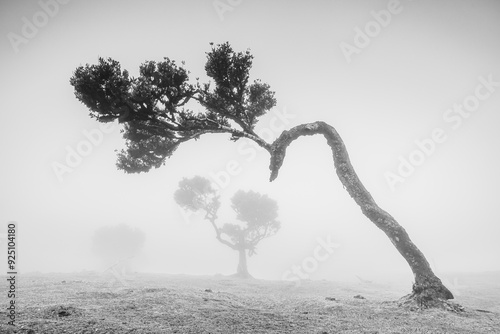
242	276
419	301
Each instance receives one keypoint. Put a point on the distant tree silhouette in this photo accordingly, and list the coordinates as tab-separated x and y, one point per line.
117	244
154	108
257	215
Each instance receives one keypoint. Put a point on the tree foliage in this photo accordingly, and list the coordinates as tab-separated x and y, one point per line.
257	214
154	105
196	194
116	242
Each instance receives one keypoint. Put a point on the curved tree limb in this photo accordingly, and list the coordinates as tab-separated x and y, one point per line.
211	216
227	243
427	285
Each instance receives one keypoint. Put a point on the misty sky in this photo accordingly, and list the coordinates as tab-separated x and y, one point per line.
429	71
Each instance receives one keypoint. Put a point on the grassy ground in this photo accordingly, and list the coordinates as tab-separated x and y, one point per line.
147	303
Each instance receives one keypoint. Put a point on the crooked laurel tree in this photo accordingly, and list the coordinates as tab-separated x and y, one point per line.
156	109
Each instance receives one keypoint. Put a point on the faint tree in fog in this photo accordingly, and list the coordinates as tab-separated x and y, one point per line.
117	244
158	115
256	213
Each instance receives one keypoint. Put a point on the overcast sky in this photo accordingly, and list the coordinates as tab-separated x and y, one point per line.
413	88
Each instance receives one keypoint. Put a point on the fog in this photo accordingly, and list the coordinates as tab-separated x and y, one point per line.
395	101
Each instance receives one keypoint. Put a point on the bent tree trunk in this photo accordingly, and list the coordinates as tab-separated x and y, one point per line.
428	290
242	270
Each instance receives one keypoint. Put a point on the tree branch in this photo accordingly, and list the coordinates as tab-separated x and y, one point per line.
383	220
211	218
227	243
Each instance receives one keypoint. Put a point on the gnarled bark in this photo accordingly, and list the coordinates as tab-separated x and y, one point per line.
427	287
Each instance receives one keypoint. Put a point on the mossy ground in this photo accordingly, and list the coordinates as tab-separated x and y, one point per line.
150	303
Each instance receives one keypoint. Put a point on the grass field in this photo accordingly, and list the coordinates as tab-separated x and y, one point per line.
92	302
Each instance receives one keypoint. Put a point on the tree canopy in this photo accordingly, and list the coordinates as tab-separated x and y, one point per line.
117	242
154	108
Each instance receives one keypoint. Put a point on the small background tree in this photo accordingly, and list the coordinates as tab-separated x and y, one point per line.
116	245
256	214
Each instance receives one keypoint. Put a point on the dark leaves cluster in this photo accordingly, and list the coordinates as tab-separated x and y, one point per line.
155	106
103	88
233	96
146	147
